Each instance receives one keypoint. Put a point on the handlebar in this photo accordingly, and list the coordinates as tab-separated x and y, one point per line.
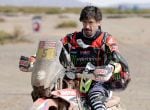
101	73
102	76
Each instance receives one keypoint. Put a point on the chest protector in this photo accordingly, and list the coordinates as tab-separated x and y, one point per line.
94	53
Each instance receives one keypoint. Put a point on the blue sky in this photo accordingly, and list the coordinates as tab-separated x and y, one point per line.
62	3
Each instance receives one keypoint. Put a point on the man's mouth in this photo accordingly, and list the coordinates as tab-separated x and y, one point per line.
87	30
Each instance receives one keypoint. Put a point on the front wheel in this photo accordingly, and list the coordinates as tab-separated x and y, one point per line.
62	106
52	108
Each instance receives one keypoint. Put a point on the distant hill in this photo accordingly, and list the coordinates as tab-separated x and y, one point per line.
125	6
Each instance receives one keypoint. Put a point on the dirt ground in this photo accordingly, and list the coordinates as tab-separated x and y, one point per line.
133	38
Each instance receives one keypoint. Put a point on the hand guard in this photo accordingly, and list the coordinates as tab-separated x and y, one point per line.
24	63
103	74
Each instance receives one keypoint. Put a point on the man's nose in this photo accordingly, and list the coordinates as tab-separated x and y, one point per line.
87	25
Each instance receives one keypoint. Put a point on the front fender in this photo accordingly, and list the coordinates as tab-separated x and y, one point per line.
44	104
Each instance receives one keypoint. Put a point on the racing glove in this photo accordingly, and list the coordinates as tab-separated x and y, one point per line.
120	79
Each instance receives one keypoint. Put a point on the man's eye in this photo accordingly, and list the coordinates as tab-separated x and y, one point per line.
90	22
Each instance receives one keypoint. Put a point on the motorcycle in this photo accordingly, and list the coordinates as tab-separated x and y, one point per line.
63	88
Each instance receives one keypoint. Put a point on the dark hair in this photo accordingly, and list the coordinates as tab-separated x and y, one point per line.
89	12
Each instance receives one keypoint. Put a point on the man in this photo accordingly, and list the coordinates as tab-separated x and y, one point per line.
93	45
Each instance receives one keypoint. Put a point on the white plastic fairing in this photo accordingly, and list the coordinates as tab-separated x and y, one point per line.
47	65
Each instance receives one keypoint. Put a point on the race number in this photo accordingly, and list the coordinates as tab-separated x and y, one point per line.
47	50
46	53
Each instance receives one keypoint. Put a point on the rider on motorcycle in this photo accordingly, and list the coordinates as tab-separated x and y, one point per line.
93	45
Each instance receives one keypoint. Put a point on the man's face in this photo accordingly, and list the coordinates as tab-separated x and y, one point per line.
90	26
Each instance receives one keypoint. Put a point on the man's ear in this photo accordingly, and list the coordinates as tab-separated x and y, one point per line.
99	22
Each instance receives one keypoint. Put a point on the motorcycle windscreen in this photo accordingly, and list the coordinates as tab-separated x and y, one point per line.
47	66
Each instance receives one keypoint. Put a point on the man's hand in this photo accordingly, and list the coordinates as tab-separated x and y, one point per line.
120	80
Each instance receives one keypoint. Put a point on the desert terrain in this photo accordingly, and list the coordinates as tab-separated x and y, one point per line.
131	33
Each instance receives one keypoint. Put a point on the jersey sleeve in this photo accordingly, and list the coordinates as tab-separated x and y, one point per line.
66	41
114	54
112	44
